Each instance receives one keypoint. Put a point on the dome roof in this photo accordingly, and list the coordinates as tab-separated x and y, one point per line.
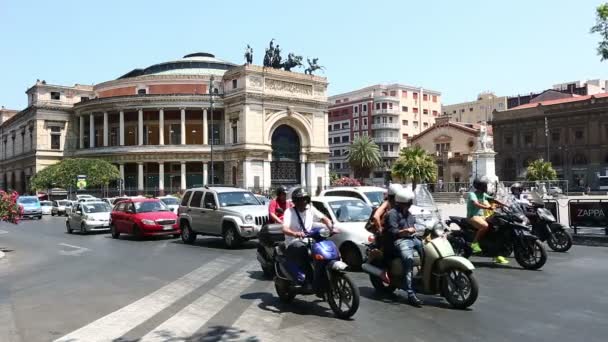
200	63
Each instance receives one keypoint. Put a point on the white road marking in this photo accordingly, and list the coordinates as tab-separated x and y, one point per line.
77	250
118	323
3	231
186	322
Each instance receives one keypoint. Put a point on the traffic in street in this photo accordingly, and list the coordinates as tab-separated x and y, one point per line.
91	287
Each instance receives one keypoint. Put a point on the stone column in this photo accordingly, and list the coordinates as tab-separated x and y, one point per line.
81	133
303	174
183	125
327	180
91	130
161	126
205	128
311	177
121	128
267	174
205	173
140	178
246	168
140	126
182	178
161	178
105	129
121	169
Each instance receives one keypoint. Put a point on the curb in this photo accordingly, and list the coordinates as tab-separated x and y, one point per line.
595	241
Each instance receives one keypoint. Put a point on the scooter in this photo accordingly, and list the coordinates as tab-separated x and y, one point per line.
509	232
439	272
545	226
328	275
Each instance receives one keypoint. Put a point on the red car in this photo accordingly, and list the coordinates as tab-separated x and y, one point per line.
143	217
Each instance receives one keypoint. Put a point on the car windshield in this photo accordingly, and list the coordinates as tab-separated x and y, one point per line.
235	199
46	203
96	208
375	197
149	206
350	210
27	200
170	201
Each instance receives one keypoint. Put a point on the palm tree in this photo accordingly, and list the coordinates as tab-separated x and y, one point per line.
415	165
364	156
540	170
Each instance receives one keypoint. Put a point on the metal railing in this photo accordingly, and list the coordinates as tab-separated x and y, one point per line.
386	125
389	111
395	140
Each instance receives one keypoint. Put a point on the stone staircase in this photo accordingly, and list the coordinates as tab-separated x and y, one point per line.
447	197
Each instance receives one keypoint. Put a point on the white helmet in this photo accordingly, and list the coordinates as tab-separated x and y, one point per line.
393	189
404	196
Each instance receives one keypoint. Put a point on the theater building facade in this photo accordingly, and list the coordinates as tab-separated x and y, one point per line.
185	123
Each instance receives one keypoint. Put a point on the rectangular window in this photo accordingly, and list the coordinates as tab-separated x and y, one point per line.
434	113
364	121
329	141
404	108
390	106
84	98
345	125
393	93
336	127
235	135
337	153
234	84
425	125
404	122
365	108
462	110
404	136
384	105
425	111
355	135
345	138
425	97
55	138
471	109
329	127
415	96
55	95
377	106
415	124
356	109
415	110
356	123
404	94
435	98
141	91
336	140
364	133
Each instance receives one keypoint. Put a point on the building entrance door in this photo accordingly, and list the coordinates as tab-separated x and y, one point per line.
285	166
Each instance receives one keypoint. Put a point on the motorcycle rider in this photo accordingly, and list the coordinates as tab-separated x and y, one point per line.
399	238
386	206
479	201
278	206
297	221
516	190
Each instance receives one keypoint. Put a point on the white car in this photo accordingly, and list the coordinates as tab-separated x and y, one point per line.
372	195
78	197
47	207
349	216
89	217
60	207
171	202
554	190
89	199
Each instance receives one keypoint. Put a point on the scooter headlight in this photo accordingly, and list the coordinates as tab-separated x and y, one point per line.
324	232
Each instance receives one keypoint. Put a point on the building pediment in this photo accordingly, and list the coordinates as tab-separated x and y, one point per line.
443	138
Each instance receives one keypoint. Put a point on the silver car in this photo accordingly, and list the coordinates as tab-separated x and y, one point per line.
59	207
234	214
89	217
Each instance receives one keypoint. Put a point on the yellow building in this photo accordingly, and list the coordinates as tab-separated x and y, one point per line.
476	111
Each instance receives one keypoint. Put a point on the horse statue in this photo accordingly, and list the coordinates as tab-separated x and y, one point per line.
248	55
312	66
276	58
292	61
270	53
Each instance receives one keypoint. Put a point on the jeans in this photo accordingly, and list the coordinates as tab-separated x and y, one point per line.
406	247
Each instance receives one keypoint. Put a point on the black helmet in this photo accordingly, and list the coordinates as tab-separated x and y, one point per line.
517	188
481	184
280	191
300	194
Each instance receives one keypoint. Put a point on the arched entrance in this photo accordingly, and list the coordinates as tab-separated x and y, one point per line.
285	166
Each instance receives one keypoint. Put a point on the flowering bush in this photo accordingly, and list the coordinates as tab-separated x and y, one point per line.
346	181
10	211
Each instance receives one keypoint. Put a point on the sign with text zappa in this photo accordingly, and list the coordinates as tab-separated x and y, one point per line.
588	214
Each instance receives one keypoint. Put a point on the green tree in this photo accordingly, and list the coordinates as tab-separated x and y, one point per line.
364	156
540	170
601	27
65	173
415	165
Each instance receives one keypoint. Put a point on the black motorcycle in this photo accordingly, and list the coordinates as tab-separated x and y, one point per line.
508	233
546	227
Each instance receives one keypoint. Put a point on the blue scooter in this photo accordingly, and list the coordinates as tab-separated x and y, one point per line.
328	272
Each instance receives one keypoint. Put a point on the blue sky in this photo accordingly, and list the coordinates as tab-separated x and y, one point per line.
457	47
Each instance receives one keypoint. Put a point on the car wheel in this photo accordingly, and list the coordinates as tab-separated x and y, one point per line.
67	227
83	228
114	232
232	239
52	213
136	232
188	236
39	217
351	256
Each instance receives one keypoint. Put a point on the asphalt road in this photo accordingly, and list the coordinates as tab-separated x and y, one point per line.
56	286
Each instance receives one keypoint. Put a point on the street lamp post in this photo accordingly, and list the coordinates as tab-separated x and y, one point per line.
212	131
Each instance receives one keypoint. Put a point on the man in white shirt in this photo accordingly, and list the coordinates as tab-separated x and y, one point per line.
297	221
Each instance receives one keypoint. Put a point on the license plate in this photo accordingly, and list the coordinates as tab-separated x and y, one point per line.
167	227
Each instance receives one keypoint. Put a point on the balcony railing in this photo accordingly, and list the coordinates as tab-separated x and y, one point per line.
385	126
392	111
395	140
389	154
